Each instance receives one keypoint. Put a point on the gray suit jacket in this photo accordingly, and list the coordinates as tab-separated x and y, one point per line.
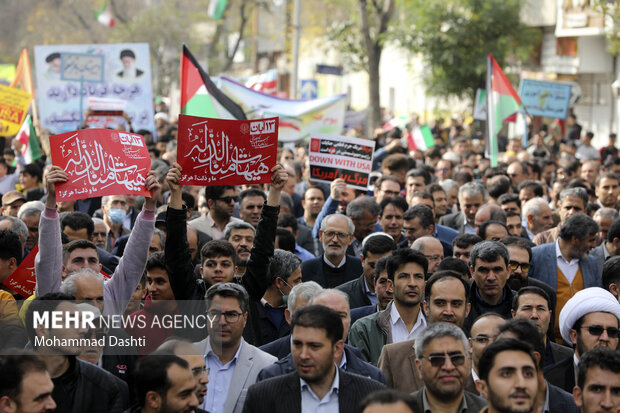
545	267
598	254
282	394
455	221
474	403
250	362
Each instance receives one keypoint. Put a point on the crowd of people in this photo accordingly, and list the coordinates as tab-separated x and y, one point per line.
447	285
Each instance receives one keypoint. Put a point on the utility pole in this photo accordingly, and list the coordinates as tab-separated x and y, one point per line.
296	30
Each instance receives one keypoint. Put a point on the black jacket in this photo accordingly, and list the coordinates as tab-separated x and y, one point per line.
88	388
282	394
189	292
354	365
477	307
475	403
312	270
562	374
561	401
356	290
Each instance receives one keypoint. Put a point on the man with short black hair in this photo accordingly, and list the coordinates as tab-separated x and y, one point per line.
164	384
488	263
241	235
221	201
607	190
611	276
610	247
25	385
598	381
386	401
361	291
387	186
508	377
316	342
364	212
250	204
462	246
402	319
392	219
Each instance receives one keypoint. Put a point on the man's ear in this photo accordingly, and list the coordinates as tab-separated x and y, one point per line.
513	312
577	396
481	386
153	400
7	405
419	368
287	315
614	288
573	336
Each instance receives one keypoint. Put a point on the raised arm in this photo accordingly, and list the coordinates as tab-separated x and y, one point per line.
48	262
120	287
178	258
331	204
256	277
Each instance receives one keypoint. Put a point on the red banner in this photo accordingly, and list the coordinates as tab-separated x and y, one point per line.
226	152
23	279
100	162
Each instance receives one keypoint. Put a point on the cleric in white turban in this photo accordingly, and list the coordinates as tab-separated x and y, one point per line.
589	300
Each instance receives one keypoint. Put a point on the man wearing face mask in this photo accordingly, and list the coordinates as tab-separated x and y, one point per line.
114	212
285	273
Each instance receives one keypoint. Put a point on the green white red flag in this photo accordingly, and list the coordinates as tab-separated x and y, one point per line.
502	103
200	96
31	150
104	15
421	138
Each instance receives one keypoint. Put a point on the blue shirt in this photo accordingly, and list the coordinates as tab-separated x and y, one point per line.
220	377
310	403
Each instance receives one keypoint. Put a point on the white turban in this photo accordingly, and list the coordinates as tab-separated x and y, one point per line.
589	300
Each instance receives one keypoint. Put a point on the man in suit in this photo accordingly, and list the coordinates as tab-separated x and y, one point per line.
598	379
501	389
565	265
589	320
538	217
316	343
403	319
446	299
488	263
420	222
232	362
472	196
533	303
364	212
610	247
549	397
572	201
611	276
443	364
334	267
350	360
361	291
483	333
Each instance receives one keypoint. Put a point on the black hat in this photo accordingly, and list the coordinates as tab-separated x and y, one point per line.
52	56
128	53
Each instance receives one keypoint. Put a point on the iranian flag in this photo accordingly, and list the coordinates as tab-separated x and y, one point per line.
104	15
502	103
200	96
28	138
421	138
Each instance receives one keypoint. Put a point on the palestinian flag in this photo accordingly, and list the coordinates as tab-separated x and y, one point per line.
200	96
104	15
502	103
28	138
421	138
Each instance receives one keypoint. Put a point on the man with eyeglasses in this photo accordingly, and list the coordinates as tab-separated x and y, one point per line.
387	186
533	303
233	363
335	266
221	201
432	249
589	320
188	352
443	364
483	332
488	263
364	212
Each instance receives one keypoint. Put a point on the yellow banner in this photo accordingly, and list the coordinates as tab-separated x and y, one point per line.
13	109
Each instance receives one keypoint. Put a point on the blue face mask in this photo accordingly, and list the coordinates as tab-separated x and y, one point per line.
117	215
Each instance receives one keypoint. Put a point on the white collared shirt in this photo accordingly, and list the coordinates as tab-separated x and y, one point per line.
310	402
569	269
220	377
399	329
344	260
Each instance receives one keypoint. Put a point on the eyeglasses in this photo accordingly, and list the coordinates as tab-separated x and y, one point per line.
434	257
199	371
230	316
439	360
525	267
612	332
228	199
332	234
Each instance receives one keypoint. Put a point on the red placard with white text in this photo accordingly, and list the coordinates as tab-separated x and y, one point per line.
23	279
226	152
100	162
